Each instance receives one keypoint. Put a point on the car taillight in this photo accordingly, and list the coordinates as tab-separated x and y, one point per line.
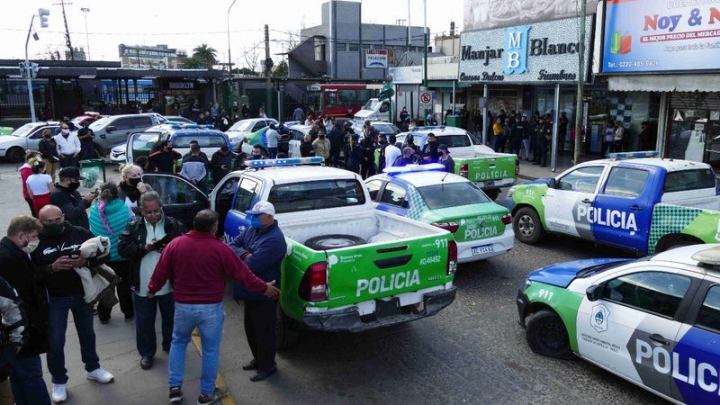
507	219
517	166
452	258
464	170
448	226
313	286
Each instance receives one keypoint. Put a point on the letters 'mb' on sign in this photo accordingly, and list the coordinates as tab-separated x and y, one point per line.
516	49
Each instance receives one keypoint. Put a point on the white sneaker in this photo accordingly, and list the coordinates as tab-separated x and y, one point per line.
59	393
100	375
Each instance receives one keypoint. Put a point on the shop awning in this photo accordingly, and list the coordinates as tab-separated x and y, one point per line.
665	83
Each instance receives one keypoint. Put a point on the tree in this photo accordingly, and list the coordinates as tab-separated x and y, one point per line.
281	70
245	71
251	57
204	56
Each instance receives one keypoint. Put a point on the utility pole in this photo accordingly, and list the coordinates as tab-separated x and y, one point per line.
425	36
579	107
268	74
86	10
32	68
229	105
67	30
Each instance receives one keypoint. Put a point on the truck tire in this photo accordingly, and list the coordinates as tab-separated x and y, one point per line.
676	241
287	332
337	241
492	193
527	226
546	335
15	155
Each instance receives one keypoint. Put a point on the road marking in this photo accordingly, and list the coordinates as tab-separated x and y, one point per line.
219	381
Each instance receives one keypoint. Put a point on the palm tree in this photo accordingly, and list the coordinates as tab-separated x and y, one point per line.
205	55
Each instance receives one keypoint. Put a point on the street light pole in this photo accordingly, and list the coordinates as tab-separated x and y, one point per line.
86	10
579	107
425	47
230	58
31	99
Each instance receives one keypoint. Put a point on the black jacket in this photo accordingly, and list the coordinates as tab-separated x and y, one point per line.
62	283
18	270
337	138
73	206
48	149
131	243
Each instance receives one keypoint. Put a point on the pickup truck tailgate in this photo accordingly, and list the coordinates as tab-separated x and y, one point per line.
488	169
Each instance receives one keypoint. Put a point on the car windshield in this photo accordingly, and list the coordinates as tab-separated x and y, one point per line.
370	105
23	130
438	196
314	195
242	126
205	141
99	124
386	128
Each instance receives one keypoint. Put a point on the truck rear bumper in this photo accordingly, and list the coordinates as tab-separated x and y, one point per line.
490	184
349	320
497	246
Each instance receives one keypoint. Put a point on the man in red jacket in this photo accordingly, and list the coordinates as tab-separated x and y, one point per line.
197	264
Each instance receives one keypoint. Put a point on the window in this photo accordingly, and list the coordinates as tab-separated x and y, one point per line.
142	122
348	97
318	194
625	182
341	46
246	194
454	141
394	195
584	179
320	53
373	187
709	315
205	141
123	123
452	194
651	291
365	46
687	180
353	47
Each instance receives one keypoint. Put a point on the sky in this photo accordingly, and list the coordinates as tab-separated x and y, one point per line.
185	25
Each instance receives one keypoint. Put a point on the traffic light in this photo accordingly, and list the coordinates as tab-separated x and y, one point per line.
34	69
23	69
43	14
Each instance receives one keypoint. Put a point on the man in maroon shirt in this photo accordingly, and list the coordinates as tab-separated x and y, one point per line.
197	263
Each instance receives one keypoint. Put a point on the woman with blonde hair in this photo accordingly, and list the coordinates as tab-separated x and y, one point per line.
131	186
108	217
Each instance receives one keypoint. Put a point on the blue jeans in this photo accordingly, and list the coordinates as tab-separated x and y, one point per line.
145	315
272	152
208	318
168	190
83	315
27	382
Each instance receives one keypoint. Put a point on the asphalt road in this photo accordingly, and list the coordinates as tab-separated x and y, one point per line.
472	352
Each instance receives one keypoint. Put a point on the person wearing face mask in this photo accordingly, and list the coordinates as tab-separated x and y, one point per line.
48	150
430	150
131	187
87	141
108	217
221	162
258	153
57	255
273	137
142	241
165	160
262	247
66	196
68	147
321	145
18	270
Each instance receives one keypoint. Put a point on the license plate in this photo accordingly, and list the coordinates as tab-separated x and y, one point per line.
389	307
479	250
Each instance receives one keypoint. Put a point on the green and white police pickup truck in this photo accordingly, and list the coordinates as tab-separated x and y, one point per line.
349	266
478	163
635	201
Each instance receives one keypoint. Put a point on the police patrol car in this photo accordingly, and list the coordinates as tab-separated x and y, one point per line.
653	321
427	194
635	201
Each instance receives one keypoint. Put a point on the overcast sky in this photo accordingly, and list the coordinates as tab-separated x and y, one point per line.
184	24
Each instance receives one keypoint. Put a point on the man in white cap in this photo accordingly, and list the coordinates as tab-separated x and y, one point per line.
262	247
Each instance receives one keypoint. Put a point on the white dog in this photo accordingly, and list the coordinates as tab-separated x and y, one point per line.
98	281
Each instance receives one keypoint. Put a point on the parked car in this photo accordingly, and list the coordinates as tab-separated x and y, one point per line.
653	321
143	143
177	118
242	128
115	129
89	117
14	146
384	128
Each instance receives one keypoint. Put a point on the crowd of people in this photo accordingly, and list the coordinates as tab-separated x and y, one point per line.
161	268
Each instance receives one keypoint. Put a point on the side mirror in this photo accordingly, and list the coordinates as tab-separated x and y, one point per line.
594	292
551	183
110	128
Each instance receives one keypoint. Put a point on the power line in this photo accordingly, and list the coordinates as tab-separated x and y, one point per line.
135	34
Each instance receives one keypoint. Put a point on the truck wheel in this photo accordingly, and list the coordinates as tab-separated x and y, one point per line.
287	332
492	193
527	226
676	241
329	242
547	335
15	155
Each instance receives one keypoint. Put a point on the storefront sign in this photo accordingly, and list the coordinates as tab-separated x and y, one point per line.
376	58
181	85
661	36
544	52
406	75
486	14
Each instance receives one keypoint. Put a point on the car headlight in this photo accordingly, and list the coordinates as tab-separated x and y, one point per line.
526	284
510	192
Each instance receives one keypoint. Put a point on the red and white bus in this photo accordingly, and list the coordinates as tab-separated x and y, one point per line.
342	100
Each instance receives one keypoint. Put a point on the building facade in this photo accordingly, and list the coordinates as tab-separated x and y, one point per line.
150	57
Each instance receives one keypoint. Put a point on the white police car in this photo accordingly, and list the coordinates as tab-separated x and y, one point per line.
654	321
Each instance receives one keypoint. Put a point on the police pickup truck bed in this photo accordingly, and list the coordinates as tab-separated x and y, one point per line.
491	171
639	204
349	267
